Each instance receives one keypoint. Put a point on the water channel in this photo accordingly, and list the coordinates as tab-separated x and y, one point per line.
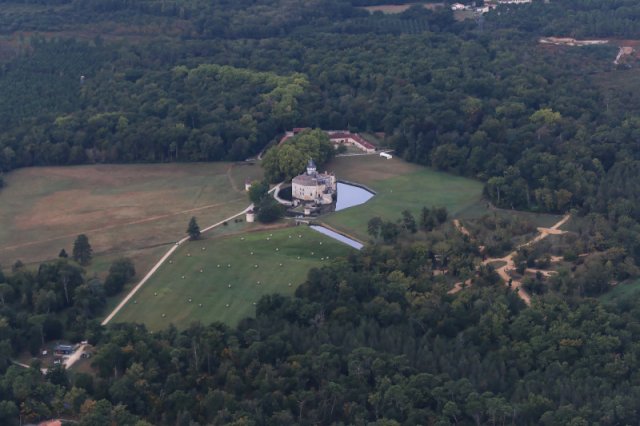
348	196
339	237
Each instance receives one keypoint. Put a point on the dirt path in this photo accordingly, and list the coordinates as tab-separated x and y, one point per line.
509	265
74	357
460	227
159	264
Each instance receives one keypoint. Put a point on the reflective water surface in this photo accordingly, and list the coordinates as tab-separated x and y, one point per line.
350	195
339	237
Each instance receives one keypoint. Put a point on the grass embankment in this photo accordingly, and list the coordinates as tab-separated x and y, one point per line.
168	292
124	209
399	186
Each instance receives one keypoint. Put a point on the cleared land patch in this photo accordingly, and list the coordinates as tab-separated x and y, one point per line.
169	293
122	208
400	185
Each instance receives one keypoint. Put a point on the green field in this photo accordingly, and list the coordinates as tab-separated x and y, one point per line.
169	293
127	210
399	186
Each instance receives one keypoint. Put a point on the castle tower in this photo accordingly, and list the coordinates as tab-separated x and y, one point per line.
311	167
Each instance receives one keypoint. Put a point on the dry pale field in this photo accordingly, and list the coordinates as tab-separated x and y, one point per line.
123	209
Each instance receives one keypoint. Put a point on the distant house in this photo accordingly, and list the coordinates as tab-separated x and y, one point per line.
64	350
338	137
458	6
386	155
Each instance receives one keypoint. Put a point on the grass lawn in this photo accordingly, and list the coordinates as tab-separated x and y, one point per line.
400	185
210	287
622	291
123	209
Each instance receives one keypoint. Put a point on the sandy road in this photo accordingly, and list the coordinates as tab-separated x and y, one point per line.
509	265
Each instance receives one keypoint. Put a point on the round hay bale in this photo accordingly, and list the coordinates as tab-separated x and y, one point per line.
135	302
155	294
289	284
254	303
227	305
183	277
277	249
164	315
201	271
281	264
218	265
190	300
255	266
200	304
228	265
229	285
171	261
188	254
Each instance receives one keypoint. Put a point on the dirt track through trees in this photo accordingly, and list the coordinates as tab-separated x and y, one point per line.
509	265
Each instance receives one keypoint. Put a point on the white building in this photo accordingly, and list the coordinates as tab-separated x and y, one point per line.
386	155
313	187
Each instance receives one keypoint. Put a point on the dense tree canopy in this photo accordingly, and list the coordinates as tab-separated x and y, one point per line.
290	158
375	338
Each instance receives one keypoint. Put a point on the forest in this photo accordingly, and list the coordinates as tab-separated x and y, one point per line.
376	338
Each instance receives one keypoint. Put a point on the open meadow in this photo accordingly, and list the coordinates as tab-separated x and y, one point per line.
400	185
132	210
217	279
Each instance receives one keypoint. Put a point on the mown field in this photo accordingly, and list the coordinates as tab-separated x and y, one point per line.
400	185
131	210
184	294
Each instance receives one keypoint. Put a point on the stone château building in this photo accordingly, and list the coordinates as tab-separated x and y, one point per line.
314	190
